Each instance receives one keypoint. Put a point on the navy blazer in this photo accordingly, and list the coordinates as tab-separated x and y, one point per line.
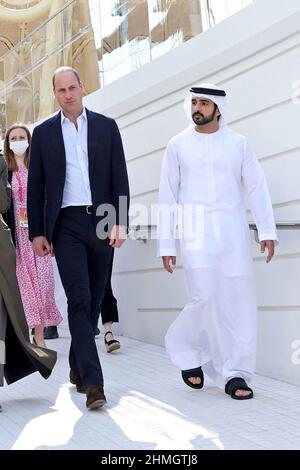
47	172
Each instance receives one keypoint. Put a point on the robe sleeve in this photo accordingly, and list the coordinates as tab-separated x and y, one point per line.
254	181
168	199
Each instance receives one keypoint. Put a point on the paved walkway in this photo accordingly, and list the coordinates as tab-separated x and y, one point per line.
149	407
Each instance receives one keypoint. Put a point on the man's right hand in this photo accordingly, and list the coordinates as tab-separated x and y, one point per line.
169	263
41	246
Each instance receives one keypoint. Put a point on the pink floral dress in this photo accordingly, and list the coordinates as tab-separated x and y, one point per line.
34	274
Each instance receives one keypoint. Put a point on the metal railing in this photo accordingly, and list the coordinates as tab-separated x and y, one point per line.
279	226
143	232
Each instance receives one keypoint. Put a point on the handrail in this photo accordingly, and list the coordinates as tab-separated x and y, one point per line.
134	230
279	226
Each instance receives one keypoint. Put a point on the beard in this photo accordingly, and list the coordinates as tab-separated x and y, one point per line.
200	120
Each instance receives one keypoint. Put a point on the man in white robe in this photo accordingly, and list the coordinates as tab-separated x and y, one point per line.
206	171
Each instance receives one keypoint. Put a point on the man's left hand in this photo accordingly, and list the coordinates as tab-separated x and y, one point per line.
117	236
270	245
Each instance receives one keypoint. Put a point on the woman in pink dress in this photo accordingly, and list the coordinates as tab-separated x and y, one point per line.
34	274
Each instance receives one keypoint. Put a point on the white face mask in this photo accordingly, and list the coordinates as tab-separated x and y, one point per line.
19	147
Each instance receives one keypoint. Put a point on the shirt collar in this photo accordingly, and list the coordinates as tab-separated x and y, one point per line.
63	118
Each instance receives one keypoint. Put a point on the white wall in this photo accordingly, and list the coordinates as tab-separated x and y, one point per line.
255	56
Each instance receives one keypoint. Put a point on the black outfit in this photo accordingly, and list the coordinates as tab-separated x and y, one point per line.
108	307
83	259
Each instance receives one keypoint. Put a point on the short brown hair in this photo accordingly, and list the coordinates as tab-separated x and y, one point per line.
9	154
65	69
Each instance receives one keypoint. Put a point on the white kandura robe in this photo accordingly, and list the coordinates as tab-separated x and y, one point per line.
217	328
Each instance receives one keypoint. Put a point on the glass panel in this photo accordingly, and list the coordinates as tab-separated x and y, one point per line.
80	50
126	35
214	11
43	100
47	40
125	42
2	112
17	63
85	61
172	22
74	45
94	6
19	102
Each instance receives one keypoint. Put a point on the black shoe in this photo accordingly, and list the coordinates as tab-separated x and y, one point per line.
196	372
50	332
97	331
238	383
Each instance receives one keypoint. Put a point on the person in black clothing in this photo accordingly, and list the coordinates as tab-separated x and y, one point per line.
109	314
77	167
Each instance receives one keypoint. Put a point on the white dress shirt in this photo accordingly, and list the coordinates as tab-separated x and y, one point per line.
77	190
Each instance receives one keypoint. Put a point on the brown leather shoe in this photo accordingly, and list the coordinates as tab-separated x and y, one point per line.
76	380
95	397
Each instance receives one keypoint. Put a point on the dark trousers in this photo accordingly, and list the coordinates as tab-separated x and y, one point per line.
108	307
83	264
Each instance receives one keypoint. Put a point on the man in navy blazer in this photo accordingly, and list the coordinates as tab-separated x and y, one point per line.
77	202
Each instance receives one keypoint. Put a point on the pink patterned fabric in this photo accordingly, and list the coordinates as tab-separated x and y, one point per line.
34	274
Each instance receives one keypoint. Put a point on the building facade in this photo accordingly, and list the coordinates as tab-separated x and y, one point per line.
103	39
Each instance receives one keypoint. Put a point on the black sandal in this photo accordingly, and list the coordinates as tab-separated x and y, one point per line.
238	383
197	372
111	345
